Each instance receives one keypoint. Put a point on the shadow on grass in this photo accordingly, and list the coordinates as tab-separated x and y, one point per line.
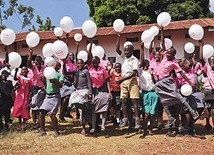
72	126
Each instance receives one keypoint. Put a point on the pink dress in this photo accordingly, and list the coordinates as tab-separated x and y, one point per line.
21	103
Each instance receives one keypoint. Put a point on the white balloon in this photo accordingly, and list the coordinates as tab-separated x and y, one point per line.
118	25
208	51
127	43
89	28
147	45
168	43
32	39
66	23
47	50
8	36
82	55
196	32
98	51
186	90
58	31
147	36
15	59
49	61
88	46
155	30
49	72
60	49
163	19
78	37
189	47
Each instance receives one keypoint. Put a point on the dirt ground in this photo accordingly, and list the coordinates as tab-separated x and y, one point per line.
72	142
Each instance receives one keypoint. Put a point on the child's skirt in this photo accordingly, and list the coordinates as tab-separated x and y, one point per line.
168	92
79	96
51	103
149	100
101	102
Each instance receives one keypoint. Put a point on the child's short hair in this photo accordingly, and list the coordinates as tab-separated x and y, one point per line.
5	72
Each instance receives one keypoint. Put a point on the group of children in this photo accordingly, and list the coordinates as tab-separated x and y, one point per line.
98	91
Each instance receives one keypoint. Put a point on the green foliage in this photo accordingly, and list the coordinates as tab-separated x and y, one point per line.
13	8
104	12
43	27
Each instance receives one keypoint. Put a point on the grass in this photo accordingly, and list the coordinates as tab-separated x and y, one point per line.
72	142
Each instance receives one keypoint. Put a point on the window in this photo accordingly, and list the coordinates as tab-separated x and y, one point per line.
24	60
112	59
132	39
136	53
25	46
94	41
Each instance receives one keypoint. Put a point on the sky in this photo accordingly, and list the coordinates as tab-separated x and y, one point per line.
78	10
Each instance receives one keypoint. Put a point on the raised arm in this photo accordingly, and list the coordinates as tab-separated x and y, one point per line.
142	57
201	58
77	50
90	53
15	75
29	60
118	45
162	39
6	59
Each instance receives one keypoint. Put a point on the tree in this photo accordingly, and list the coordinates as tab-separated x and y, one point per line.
12	8
104	12
43	26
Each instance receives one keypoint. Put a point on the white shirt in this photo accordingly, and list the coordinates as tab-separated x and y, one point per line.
129	65
146	83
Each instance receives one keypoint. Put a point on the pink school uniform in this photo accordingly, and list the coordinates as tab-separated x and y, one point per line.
98	77
37	74
166	87
70	67
21	103
99	88
104	63
195	68
210	74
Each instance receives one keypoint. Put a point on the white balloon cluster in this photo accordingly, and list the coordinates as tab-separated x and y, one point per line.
148	35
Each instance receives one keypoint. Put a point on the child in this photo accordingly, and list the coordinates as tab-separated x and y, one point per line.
115	105
38	86
51	101
83	93
208	80
166	88
129	85
195	100
69	68
101	91
6	103
21	103
149	98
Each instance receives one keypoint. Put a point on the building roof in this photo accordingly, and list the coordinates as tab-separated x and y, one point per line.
103	31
